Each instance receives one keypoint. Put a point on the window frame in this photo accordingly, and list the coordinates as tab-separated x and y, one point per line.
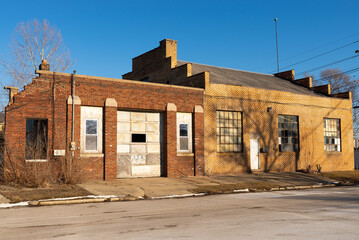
280	137
185	119
183	137
236	130
337	136
46	135
97	135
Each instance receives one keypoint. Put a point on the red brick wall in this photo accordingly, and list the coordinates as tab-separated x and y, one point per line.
110	143
47	98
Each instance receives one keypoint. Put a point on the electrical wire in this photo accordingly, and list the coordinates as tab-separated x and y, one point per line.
319	55
310	50
342	73
329	64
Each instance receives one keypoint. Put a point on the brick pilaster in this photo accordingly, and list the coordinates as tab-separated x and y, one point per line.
77	128
198	140
171	140
110	139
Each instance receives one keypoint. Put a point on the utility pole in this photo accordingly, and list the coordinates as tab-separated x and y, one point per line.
276	40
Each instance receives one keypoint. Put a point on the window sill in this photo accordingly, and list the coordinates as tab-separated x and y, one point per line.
36	160
332	152
92	155
185	154
222	153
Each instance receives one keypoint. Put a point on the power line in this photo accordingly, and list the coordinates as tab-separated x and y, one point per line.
311	50
322	54
342	73
329	64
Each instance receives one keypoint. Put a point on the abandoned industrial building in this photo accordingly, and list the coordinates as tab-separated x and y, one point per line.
176	118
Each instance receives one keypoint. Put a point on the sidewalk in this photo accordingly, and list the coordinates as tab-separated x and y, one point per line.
152	188
162	187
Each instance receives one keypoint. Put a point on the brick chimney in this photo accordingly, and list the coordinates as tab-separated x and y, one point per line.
44	66
12	92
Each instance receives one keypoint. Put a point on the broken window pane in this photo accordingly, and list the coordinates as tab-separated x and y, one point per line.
138	137
288	133
331	134
36	139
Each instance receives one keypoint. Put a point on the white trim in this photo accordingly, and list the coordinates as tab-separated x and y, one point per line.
36	160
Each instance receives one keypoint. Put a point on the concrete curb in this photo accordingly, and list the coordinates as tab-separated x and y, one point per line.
303	187
97	199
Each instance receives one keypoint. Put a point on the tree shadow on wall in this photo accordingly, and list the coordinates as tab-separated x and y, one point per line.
260	121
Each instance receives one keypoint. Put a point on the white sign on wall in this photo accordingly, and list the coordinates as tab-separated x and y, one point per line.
59	152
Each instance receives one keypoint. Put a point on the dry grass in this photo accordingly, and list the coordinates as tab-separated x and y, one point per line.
20	194
229	188
343	176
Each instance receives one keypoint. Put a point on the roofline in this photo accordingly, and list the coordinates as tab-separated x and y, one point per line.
272	75
117	80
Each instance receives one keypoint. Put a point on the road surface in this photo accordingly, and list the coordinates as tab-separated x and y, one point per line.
330	213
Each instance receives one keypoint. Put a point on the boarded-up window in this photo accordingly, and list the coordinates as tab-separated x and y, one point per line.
36	139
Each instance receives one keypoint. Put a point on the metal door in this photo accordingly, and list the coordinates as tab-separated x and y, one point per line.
254	153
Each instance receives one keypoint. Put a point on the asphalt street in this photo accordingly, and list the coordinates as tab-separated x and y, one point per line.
327	213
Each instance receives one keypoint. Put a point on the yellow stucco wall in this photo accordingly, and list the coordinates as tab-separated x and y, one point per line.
259	123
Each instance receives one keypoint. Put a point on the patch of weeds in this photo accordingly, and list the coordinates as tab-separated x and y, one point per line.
229	188
20	194
343	176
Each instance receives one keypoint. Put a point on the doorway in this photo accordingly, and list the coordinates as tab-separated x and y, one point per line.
254	154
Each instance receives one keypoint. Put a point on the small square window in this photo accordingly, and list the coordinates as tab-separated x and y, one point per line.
140	138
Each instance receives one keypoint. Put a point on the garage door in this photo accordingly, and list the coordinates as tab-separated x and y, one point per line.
139	144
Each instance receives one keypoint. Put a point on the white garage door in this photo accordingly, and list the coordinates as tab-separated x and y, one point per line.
139	144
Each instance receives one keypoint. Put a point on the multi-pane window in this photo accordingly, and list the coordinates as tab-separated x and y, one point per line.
331	134
36	139
229	131
91	135
288	133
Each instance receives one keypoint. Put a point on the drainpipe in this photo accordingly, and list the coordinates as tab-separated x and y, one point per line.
73	144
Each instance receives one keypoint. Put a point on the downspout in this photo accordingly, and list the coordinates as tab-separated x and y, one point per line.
73	144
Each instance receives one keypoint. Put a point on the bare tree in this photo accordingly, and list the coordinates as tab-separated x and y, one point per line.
31	43
340	82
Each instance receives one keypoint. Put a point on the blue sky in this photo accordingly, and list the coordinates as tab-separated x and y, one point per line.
103	36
